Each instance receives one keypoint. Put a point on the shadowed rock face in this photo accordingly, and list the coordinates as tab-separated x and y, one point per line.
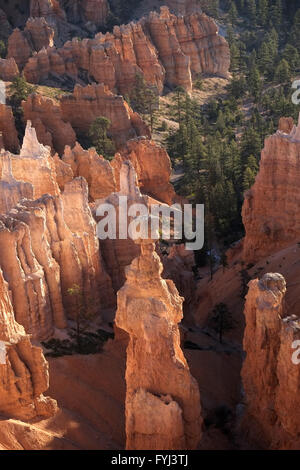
23	369
165	49
270	378
8	130
162	398
271	207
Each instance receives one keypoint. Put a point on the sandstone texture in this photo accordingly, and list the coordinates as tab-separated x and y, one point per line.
58	122
270	210
8	69
164	48
8	130
48	244
97	100
270	378
94	168
153	168
24	375
162	398
46	117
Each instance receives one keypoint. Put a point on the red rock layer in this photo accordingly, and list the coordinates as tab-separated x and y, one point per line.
8	129
94	168
96	100
153	168
164	48
162	398
46	117
271	379
56	121
49	244
270	211
23	369
8	69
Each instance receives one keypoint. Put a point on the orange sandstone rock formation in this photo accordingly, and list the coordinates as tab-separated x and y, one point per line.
162	398
24	373
36	35
46	117
8	129
8	69
49	244
94	168
46	8
270	211
271	379
11	190
153	168
34	165
97	100
165	49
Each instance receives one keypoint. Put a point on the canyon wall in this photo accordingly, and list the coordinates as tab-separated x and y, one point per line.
97	100
58	122
8	69
162	398
270	211
271	379
8	130
48	244
165	49
24	375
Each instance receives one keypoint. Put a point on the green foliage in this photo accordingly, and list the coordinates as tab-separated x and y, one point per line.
99	138
19	90
144	100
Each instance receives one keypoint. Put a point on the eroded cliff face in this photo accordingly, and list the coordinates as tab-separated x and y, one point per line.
48	244
97	100
46	117
58	122
8	130
165	49
162	398
8	69
271	379
270	210
24	373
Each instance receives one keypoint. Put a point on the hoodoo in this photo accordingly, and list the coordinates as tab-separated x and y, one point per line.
162	398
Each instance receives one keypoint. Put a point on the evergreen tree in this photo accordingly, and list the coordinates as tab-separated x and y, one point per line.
262	11
282	72
99	138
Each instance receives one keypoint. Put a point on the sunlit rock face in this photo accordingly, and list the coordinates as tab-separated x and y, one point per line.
270	374
162	398
24	373
48	240
97	100
164	48
46	117
271	207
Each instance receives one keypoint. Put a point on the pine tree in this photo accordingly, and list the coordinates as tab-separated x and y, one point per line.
295	33
282	72
233	13
251	10
99	138
262	11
